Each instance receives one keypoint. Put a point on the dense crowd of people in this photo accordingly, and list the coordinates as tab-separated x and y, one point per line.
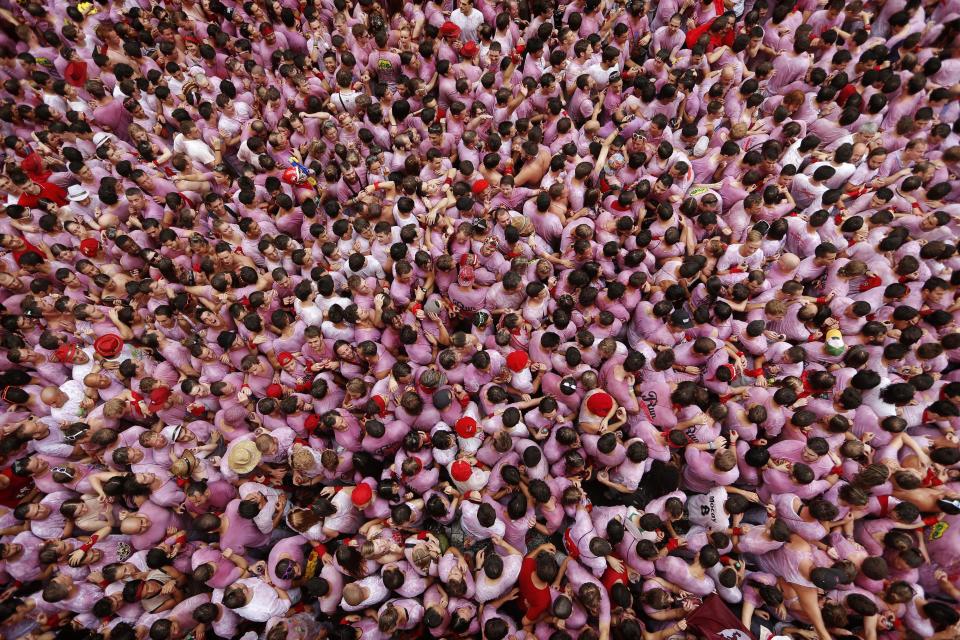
479	319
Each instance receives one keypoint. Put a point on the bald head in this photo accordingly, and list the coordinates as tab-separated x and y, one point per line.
53	397
789	262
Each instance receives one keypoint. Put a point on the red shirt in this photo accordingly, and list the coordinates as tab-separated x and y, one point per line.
48	191
10	497
537	600
27	248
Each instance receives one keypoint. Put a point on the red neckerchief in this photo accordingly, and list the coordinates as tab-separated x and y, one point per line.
884	505
807	390
135	404
931	479
189	202
571	547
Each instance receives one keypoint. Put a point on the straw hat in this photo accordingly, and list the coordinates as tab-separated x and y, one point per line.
184	466
243	457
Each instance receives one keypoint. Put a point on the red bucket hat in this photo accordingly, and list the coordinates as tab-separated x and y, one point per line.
108	345
65	352
449	30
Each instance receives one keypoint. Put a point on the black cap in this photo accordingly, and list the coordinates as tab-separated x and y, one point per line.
681	319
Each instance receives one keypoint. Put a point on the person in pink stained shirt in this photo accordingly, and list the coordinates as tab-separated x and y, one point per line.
671	345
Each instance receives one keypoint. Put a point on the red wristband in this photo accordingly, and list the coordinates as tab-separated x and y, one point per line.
931	520
89	544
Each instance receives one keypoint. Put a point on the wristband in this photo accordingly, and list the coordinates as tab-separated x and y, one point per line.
376	186
837	470
737	531
89	544
931	520
672	544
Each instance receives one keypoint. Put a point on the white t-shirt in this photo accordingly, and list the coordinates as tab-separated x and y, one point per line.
196	150
265	602
468	24
707	510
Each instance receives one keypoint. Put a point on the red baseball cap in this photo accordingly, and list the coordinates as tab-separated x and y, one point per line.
517	361
461	470
158	398
600	403
466	427
361	495
284	357
89	247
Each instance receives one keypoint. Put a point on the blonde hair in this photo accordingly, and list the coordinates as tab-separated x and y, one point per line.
775	307
422	558
301	459
114	408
